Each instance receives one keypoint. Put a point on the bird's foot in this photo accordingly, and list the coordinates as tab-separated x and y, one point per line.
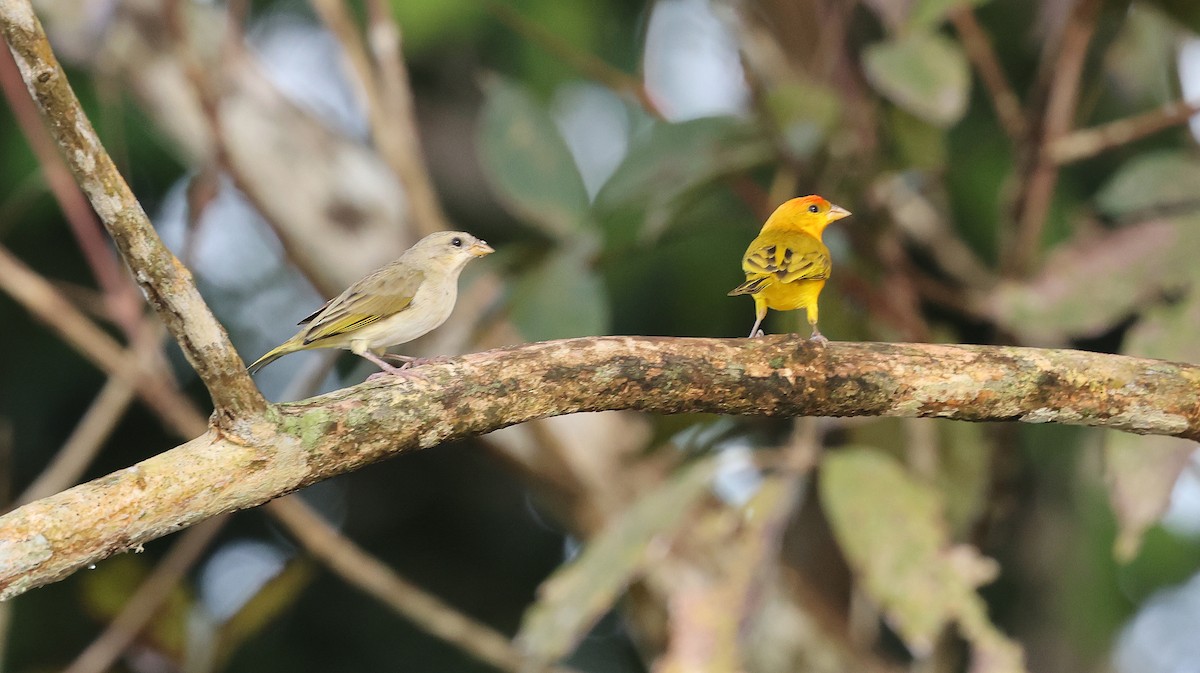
403	372
758	334
410	361
817	338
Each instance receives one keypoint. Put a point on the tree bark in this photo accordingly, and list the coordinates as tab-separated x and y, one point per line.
293	445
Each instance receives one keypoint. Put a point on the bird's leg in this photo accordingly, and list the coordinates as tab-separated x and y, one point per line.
405	360
411	360
810	311
388	369
817	337
760	312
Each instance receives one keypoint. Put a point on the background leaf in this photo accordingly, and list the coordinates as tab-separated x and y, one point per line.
527	161
894	536
665	162
562	296
576	595
926	14
1155	181
1088	285
924	73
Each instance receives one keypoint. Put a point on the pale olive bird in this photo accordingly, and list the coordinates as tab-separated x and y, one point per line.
395	304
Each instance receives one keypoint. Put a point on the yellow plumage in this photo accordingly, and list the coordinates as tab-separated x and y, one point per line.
787	265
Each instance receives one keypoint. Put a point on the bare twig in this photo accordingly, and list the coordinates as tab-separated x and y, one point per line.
587	64
371	576
983	56
165	281
48	305
1033	200
780	376
72	460
141	607
120	297
1086	143
389	104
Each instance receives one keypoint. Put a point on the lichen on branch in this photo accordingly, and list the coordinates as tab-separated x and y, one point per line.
300	443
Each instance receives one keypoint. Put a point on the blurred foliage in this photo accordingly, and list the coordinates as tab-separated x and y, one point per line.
887	528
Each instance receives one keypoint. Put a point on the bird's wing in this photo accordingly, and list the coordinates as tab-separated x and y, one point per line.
786	261
371	299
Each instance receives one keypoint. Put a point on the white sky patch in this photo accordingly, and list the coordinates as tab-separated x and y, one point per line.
235	574
691	63
595	124
1161	637
1189	78
1183	516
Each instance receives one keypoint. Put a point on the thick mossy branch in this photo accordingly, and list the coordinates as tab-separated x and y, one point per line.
167	283
297	444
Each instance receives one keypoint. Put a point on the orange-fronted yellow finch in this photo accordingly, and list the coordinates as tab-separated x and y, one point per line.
787	265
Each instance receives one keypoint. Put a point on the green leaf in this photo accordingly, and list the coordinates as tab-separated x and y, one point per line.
926	14
1141	471
528	162
895	538
1186	12
561	297
578	594
668	161
1128	269
431	24
924	73
107	589
1153	181
804	113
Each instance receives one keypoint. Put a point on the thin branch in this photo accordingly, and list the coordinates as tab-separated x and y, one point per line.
775	376
72	460
1087	143
983	56
1042	176
120	297
373	577
389	104
177	412
41	299
141	607
587	64
167	283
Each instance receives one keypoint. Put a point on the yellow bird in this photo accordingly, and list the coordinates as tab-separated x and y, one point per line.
395	304
787	265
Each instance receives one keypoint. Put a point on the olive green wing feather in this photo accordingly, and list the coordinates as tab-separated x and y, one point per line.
783	262
380	295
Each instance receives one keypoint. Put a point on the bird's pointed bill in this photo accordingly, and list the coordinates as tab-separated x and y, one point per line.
481	248
837	212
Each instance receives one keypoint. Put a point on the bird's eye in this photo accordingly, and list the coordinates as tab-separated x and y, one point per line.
456	242
814	209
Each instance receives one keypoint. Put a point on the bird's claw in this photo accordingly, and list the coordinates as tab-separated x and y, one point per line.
403	372
818	339
410	361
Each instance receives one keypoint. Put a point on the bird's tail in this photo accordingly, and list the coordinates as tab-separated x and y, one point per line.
273	355
751	286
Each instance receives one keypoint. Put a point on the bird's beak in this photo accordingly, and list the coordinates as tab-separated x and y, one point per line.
837	212
480	248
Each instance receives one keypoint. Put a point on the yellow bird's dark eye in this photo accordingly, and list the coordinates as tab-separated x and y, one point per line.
814	209
456	242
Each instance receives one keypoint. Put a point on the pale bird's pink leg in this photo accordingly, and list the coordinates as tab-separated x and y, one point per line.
388	369
410	360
